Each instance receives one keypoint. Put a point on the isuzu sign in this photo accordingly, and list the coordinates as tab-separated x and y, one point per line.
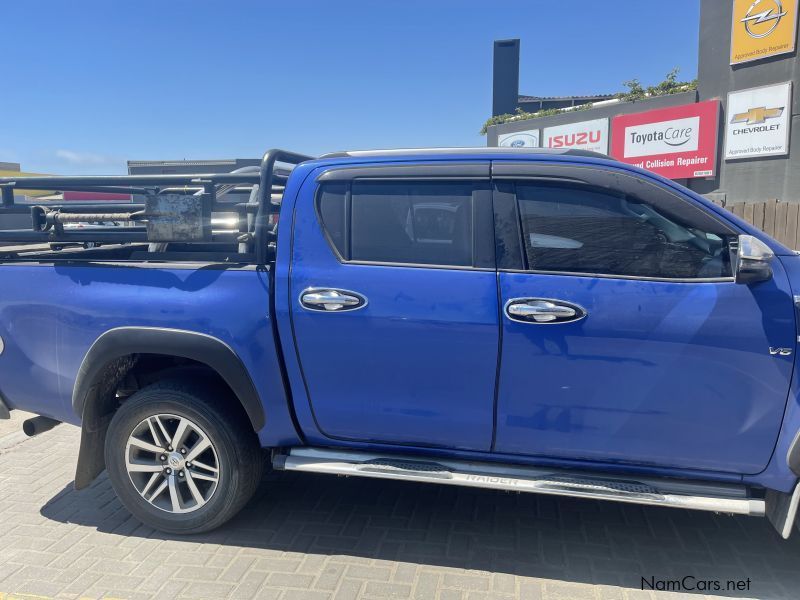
586	135
520	139
762	28
679	142
758	121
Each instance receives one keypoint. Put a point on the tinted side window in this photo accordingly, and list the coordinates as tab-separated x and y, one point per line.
401	221
579	229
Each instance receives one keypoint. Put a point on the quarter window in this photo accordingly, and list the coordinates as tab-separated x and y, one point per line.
401	222
579	229
332	207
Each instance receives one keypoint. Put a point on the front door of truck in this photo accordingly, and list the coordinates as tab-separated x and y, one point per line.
624	336
394	303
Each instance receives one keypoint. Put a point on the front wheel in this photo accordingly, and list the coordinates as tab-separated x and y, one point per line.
180	458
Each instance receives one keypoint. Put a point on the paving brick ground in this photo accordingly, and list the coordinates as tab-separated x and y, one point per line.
319	537
12	426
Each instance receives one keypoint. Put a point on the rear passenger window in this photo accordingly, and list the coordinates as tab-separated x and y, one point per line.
578	229
401	222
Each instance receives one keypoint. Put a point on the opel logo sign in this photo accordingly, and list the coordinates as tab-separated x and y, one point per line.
759	24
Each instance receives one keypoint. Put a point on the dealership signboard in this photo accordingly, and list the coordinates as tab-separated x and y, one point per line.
519	139
762	28
679	142
586	135
758	122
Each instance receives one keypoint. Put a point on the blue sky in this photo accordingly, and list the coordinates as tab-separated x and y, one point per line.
89	84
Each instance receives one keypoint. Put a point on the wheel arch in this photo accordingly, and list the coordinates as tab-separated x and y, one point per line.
111	358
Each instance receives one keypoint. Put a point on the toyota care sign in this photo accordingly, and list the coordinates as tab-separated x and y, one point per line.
679	142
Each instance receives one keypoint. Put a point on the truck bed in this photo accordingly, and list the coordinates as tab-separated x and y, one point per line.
52	312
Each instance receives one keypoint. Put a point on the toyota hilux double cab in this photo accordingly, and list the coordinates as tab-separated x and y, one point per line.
554	322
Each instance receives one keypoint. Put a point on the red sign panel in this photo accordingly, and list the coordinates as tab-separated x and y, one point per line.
95	196
679	142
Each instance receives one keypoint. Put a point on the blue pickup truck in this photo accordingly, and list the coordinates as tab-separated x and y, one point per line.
525	320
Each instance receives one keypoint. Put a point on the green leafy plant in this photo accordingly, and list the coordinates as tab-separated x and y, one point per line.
670	85
521	115
636	91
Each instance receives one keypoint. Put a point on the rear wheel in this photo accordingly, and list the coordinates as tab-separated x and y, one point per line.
179	459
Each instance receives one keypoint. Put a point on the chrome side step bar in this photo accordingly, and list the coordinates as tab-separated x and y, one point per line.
724	498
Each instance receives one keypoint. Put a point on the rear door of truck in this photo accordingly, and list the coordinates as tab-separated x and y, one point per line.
394	303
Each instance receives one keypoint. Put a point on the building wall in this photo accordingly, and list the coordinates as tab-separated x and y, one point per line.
600	112
752	179
166	167
163	167
743	180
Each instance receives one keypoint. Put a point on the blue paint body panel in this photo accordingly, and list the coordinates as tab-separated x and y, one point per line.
416	365
658	373
51	315
726	432
661	378
777	475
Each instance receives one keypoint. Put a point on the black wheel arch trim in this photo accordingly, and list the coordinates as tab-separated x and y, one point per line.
120	342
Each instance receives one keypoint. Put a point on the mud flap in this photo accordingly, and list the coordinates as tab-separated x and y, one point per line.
782	510
91	457
98	409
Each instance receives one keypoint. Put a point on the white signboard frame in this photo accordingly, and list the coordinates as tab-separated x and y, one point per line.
663	137
578	135
758	122
519	139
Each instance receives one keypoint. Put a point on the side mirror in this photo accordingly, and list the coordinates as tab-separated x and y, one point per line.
752	260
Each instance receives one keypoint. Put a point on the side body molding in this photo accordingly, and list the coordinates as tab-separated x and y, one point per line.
117	343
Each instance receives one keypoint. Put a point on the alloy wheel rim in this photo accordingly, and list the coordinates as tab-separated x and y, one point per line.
172	463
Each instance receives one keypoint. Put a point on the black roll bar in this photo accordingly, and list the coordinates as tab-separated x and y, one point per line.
270	178
81	182
265	195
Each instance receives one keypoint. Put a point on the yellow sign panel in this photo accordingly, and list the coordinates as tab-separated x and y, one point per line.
29	193
762	28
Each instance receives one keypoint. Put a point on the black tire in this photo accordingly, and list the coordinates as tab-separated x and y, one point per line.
239	456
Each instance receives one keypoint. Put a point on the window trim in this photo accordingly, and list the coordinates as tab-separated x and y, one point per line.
598	177
590	177
482	252
436	171
627	277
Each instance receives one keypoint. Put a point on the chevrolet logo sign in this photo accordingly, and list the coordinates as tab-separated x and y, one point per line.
757	115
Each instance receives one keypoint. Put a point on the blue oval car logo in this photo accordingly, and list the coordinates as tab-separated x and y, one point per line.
518	144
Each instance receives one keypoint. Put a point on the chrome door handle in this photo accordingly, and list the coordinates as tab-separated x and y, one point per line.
331	300
539	310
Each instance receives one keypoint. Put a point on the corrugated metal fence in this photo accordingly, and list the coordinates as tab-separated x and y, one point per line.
781	220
